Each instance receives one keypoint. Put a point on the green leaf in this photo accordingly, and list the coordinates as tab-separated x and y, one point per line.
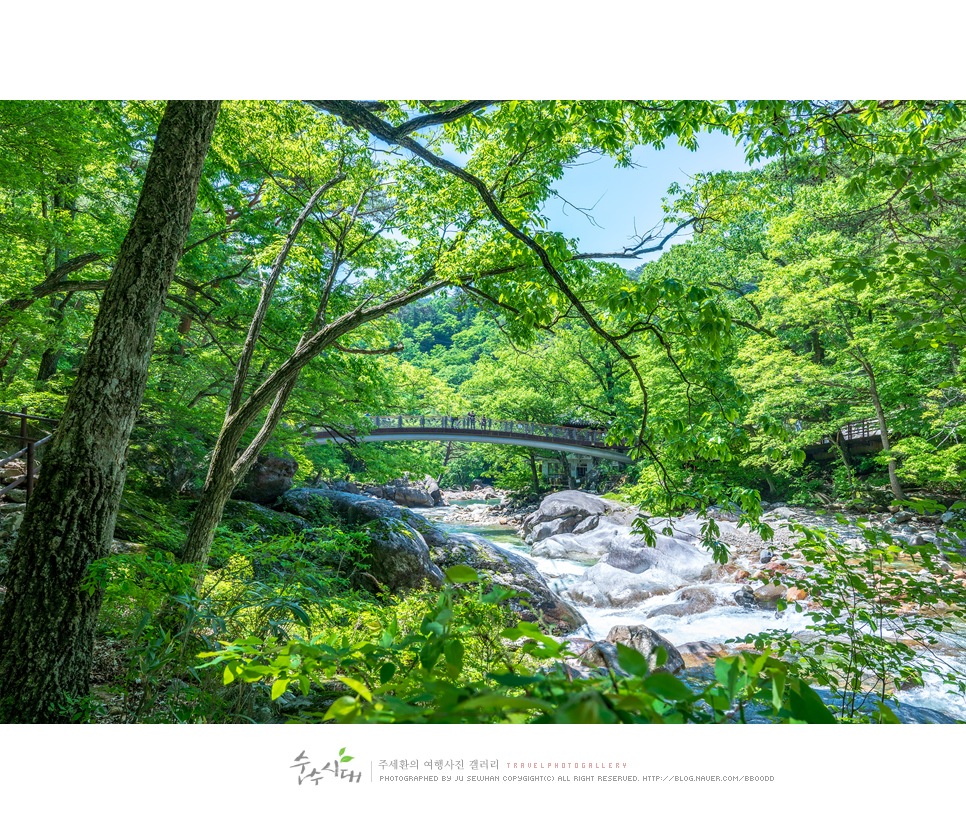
632	661
343	708
279	687
668	687
355	685
461	573
806	705
453	651
514	680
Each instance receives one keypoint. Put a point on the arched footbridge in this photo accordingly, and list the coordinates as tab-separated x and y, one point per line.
860	436
482	431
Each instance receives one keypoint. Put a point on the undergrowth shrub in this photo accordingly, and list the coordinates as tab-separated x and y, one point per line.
393	673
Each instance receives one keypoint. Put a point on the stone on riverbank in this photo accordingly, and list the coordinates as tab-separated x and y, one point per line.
268	478
398	550
564	512
399	556
615	545
647	642
511	570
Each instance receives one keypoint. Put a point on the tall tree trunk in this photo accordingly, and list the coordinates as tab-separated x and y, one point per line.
47	619
883	430
571	484
533	473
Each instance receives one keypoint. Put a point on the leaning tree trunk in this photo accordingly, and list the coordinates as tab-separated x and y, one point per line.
47	619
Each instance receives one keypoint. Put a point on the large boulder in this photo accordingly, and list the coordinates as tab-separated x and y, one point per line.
504	567
407	493
695	599
603	586
545	530
317	505
602	655
574	511
647	642
615	545
268	478
399	539
357	509
398	556
431	486
564	505
583	547
412	496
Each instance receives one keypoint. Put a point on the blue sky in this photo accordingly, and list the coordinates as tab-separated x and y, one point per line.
622	197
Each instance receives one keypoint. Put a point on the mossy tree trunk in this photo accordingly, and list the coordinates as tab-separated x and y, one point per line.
48	617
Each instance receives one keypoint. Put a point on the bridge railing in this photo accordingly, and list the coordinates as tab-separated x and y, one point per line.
480	423
869	428
28	448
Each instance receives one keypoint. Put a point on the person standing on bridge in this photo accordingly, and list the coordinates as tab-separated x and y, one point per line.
472	416
483	422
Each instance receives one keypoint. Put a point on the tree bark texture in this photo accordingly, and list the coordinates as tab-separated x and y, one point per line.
48	617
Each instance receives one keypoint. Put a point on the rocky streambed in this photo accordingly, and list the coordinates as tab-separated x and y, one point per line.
672	593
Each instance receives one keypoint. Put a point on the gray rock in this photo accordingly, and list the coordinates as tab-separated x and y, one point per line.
604	586
590	523
431	486
604	655
345	487
617	546
544	530
433	535
399	556
692	600
766	556
399	551
647	642
768	595
412	497
745	597
268	478
507	568
315	504
565	505
903	516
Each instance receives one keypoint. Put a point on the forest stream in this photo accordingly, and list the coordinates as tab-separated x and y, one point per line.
714	625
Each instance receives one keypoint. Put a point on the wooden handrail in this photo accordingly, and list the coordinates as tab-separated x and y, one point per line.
30	447
30	417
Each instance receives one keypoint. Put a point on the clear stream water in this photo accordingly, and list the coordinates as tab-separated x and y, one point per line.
716	625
